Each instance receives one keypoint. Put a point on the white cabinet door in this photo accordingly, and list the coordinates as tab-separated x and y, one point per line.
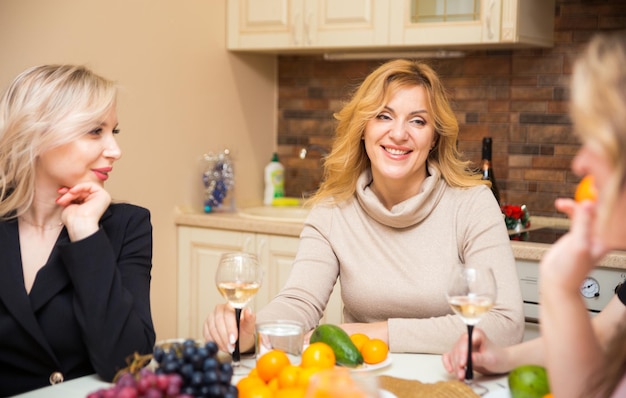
529	22
199	251
275	25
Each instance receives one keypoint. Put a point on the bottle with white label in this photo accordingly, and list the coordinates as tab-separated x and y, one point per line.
274	180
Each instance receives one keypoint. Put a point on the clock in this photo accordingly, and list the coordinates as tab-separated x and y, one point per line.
590	288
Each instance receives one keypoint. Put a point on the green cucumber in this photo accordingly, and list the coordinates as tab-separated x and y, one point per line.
346	353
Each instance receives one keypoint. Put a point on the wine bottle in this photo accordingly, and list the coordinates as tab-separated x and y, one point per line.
487	169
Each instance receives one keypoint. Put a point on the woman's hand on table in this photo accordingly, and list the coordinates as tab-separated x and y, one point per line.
221	327
487	357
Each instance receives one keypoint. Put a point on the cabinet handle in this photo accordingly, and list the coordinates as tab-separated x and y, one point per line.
294	30
307	29
260	248
488	20
247	245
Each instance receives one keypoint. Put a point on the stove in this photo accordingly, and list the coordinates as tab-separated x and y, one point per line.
547	235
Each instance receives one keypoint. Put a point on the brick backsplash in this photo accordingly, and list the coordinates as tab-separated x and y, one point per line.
518	97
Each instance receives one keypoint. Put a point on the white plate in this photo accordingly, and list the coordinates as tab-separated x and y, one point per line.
502	393
367	367
386	394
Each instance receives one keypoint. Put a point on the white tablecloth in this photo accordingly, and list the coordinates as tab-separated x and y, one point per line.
422	367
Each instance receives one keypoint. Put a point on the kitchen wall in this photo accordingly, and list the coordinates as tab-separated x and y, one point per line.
517	97
182	94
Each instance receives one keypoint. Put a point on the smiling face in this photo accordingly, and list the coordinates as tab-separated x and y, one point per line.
89	158
398	141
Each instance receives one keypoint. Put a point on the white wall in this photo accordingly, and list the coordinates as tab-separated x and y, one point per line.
183	94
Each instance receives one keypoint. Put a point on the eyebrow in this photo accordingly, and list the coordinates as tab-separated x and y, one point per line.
417	112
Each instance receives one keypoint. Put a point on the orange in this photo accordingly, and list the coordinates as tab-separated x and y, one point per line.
273	385
586	190
374	351
261	391
359	339
548	395
318	355
290	392
288	377
305	376
246	385
271	363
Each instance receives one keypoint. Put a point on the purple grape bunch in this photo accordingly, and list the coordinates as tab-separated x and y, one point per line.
184	370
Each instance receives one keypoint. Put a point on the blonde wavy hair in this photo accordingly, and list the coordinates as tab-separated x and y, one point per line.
348	158
598	104
45	107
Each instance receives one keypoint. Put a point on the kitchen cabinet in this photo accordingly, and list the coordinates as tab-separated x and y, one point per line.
199	250
306	24
506	23
310	26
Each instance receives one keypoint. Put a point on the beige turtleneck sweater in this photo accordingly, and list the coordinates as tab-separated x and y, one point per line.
394	265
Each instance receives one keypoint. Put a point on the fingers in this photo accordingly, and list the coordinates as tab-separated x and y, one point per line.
455	361
221	327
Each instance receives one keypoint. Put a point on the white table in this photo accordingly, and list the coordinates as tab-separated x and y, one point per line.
423	367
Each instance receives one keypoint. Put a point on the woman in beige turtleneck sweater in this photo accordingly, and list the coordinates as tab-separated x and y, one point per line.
398	210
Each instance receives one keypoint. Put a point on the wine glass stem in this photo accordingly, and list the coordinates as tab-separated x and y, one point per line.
469	372
236	354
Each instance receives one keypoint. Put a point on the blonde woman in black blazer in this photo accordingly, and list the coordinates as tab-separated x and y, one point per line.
75	268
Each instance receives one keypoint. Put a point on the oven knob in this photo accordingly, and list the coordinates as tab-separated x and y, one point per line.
619	285
590	288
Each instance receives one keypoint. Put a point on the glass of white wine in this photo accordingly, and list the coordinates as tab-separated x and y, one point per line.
471	294
238	278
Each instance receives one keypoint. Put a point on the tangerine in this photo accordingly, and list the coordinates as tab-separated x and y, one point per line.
318	355
246	385
305	376
270	364
586	190
374	351
359	339
288	377
290	392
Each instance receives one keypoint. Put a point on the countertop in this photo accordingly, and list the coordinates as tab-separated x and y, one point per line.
235	221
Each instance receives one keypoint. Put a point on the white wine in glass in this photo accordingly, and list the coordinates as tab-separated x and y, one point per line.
471	294
238	278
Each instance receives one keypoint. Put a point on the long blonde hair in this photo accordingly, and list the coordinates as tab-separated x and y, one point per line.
597	108
44	107
348	158
598	104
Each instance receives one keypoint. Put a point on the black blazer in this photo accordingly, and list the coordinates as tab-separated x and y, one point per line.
88	309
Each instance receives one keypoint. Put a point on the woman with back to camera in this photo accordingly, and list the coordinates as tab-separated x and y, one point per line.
584	357
75	268
398	210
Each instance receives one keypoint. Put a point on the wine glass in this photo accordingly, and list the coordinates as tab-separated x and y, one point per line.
471	294
238	278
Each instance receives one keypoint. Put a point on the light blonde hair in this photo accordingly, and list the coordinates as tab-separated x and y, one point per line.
348	158
598	104
45	107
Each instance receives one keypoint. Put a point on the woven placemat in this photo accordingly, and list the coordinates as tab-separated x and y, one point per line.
403	388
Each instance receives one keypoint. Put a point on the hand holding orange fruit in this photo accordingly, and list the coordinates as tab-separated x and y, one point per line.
586	190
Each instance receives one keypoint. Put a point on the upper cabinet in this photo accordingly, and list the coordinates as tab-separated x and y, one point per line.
295	26
306	24
472	23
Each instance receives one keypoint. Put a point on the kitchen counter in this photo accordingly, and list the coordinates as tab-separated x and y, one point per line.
234	221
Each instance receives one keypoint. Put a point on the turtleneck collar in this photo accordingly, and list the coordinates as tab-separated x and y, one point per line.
407	213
